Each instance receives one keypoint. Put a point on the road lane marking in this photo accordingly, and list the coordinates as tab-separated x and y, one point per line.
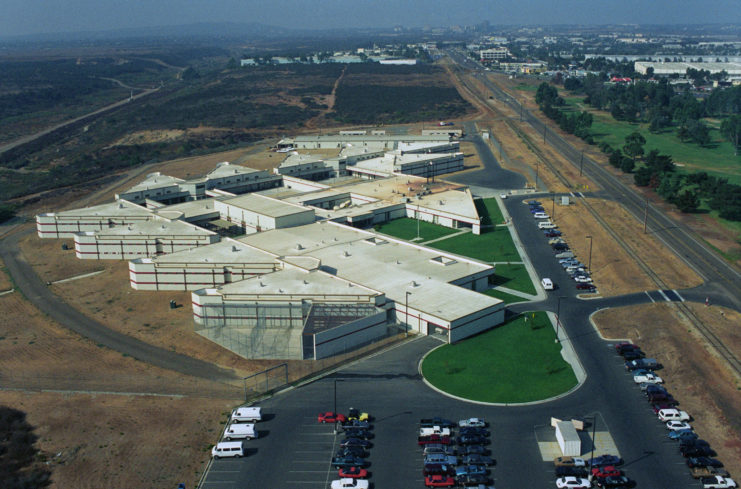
649	296
677	293
664	295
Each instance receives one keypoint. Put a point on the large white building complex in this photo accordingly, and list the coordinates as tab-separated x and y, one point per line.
304	278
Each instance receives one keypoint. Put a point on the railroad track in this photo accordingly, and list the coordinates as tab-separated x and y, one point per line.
608	184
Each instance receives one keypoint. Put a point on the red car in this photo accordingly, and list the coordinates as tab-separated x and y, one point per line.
439	481
330	417
609	471
353	473
424	440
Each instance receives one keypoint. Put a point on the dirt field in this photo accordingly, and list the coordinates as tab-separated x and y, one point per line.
5	283
702	383
94	441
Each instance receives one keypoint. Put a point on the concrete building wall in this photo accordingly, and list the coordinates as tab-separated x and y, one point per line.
437	166
51	226
89	246
349	336
476	323
154	276
297	219
301	184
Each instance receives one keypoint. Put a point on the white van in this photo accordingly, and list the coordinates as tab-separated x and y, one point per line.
546	225
240	431
246	414
228	449
547	284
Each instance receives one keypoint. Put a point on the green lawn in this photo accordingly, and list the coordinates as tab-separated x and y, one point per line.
515	362
718	159
489	211
406	228
495	244
513	277
507	298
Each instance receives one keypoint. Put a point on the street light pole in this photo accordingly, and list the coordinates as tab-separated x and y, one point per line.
553	210
594	442
589	266
537	169
581	163
558	316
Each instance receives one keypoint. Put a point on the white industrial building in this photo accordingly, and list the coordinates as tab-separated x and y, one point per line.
304	282
494	54
680	68
339	141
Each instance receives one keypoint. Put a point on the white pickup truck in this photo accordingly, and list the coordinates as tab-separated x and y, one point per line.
434	430
647	378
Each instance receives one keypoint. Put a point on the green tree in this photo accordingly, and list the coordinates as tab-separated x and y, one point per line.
232	64
731	129
699	132
688	201
627	165
683	133
634	145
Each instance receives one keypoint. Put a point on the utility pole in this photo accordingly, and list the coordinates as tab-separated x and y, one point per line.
581	163
553	210
537	168
589	266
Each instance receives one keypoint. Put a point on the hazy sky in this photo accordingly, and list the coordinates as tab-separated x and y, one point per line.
49	16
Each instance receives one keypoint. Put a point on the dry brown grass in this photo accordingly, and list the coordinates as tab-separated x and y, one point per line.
698	379
96	441
5	282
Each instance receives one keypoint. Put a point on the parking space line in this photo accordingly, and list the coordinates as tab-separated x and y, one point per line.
306	471
649	296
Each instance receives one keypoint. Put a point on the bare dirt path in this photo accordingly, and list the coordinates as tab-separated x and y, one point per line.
314	122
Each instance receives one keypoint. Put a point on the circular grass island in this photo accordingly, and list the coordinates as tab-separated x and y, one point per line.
517	362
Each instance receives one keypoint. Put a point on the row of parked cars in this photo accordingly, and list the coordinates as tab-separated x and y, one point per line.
241	427
451	460
576	270
698	453
582	473
351	457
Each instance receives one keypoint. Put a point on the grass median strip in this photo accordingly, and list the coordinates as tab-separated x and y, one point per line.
507	298
494	244
514	277
518	361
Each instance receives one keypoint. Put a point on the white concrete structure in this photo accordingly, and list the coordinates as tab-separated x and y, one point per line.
568	439
311	167
419	164
339	141
145	238
255	212
66	223
494	54
680	68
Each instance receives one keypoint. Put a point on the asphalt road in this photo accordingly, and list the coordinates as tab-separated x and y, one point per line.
41	296
721	278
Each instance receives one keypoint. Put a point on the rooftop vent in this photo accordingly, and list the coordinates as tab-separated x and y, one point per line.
299	247
234	248
345	253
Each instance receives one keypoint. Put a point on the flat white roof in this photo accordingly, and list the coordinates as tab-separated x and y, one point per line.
417	146
225	169
155	180
155	227
368	138
296	159
119	208
224	252
297	282
266	206
189	209
384	264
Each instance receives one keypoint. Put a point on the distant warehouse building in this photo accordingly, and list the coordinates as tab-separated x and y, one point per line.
680	68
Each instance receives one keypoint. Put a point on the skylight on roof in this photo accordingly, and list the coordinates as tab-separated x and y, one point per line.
443	260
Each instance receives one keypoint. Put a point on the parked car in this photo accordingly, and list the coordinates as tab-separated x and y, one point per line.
682	435
533	202
573	482
348	461
613	481
471	430
475	480
566	461
645	363
717	482
436	421
355	432
699	472
583	279
349	483
541	215
465	470
356	423
477	459
356	442
443	440
550	233
575	471
559	247
673	414
678	425
353	473
625	346
474	449
585	286
330	417
662	397
605	459
547	284
555	240
647	377
352	450
471	440
693	442
434	430
438	469
439	481
633	355
440	458
703	462
431	448
655	389
353	414
697	451
565	254
472	423
605	471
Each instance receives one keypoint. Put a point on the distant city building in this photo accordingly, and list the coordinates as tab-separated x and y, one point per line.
494	54
680	68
